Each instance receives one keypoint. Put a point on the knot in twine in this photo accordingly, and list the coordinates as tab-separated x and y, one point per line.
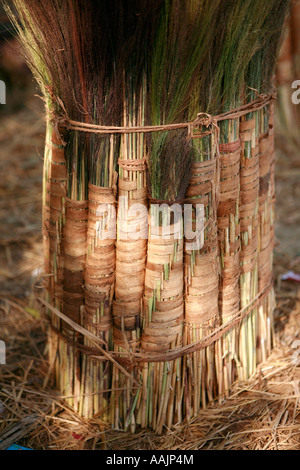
263	96
204	120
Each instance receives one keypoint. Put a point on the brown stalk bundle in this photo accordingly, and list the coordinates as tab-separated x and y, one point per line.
131	250
163	327
219	363
202	281
55	187
158	63
258	239
98	292
229	217
65	59
266	231
137	28
185	27
238	237
249	237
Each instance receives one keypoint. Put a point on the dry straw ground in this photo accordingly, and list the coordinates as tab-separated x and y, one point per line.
263	413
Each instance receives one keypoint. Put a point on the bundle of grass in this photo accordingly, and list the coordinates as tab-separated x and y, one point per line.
155	63
224	79
86	59
67	47
135	34
256	200
105	108
205	368
55	171
259	331
239	40
239	182
182	46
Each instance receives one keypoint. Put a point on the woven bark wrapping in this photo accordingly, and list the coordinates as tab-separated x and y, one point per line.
74	250
201	267
99	276
163	299
266	205
131	250
249	196
58	188
201	286
229	229
100	258
265	337
272	152
249	202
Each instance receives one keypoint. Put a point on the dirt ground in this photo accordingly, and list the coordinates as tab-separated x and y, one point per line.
263	413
